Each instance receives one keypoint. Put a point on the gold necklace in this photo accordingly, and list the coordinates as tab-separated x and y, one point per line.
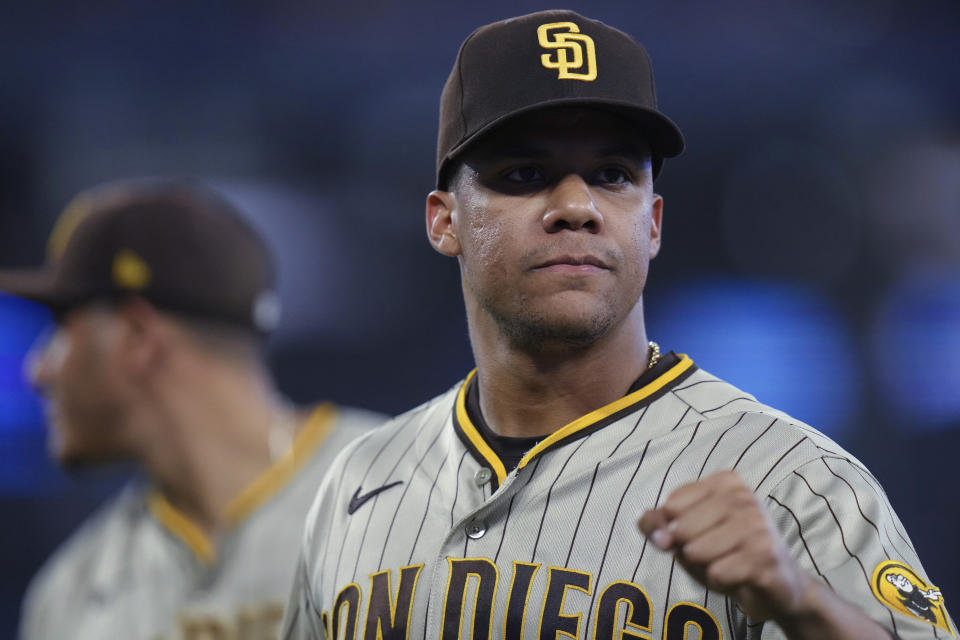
654	354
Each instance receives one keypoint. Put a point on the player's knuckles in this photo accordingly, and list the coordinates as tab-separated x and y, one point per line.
750	523
681	535
701	525
676	503
732	495
767	580
727	480
747	494
742	499
721	575
730	569
686	496
652	520
761	547
699	552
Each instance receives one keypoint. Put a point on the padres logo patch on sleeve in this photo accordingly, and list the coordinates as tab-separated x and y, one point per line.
902	589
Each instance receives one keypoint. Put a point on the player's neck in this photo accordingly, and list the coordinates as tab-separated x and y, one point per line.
213	441
526	394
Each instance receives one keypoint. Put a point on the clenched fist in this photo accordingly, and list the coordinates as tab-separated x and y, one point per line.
722	535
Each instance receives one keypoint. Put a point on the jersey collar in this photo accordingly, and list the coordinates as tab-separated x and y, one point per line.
265	486
666	374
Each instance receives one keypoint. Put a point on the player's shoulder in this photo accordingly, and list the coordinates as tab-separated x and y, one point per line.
337	425
379	446
356	420
373	456
712	399
757	438
89	554
431	414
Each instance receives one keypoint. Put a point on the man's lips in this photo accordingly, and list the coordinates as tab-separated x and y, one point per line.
573	264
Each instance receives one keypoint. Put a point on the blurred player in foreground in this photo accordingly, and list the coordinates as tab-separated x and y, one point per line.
164	297
508	507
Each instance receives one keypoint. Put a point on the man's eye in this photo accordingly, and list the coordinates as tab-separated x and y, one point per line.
524	174
613	175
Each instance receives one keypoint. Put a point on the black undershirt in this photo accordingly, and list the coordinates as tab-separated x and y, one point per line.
511	450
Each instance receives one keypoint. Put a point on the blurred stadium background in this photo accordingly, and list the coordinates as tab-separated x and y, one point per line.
812	229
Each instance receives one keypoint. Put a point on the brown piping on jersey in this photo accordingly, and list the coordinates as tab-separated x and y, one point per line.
843	540
389	474
506	520
780	459
372	465
616	517
856	499
403	495
546	505
423	520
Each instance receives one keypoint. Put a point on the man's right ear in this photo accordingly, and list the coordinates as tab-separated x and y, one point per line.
440	227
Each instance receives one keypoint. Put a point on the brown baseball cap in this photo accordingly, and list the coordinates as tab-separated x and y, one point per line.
175	243
548	59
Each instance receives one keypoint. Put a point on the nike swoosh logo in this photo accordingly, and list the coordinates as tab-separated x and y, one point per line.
358	500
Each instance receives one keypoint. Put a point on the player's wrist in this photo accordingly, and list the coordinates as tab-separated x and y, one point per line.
818	613
807	608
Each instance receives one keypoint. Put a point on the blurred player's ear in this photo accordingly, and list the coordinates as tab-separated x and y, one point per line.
440	230
143	342
656	224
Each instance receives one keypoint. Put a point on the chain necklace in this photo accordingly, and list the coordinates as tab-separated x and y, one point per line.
654	354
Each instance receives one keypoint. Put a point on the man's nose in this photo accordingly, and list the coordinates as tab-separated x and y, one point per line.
571	206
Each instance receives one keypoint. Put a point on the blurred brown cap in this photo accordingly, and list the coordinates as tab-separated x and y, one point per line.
175	243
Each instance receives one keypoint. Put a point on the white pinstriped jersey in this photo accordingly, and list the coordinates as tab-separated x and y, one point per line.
140	570
420	532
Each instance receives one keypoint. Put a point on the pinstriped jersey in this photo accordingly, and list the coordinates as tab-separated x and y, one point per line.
420	531
139	569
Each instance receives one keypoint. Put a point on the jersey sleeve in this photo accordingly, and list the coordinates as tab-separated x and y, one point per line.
841	528
35	602
303	617
301	620
64	585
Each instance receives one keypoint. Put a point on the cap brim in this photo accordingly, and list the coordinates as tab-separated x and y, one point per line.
39	286
661	132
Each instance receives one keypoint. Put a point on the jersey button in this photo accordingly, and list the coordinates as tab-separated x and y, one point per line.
483	476
476	529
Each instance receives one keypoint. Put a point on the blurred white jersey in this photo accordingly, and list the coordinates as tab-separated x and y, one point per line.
140	570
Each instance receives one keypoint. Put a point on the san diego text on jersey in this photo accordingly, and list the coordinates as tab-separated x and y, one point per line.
420	531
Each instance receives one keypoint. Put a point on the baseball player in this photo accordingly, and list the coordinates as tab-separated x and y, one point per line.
163	298
580	483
